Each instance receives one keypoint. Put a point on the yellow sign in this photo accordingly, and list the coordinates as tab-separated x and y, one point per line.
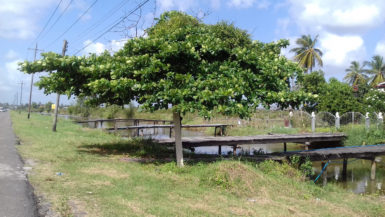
53	106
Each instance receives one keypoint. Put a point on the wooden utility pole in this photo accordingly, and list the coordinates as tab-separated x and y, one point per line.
30	89
21	91
58	94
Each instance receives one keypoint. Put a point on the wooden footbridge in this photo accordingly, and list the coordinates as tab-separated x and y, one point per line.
234	141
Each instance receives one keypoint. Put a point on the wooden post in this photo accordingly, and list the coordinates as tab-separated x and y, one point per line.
344	169
170	132
58	95
307	145
178	139
373	170
234	150
137	132
219	150
215	131
284	147
324	174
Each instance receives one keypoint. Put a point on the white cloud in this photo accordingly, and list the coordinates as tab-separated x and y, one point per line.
215	4
341	50
342	16
96	48
240	3
182	5
380	48
18	17
263	4
11	54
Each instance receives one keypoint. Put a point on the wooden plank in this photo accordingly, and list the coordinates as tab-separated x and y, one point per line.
167	126
365	152
260	139
122	120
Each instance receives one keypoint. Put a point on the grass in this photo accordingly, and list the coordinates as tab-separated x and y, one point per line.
359	135
105	175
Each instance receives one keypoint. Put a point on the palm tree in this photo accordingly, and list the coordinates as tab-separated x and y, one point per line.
306	52
355	74
376	70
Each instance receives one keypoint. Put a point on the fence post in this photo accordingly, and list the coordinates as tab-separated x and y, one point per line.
337	120
313	122
367	121
291	119
380	119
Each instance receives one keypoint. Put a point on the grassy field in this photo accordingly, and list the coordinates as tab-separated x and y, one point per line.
84	170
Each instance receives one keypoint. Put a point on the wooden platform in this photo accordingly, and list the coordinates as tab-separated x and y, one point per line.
167	126
259	139
363	152
123	120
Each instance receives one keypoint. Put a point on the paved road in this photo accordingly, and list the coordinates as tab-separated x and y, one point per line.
16	198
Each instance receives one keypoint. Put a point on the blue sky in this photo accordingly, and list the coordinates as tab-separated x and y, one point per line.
348	30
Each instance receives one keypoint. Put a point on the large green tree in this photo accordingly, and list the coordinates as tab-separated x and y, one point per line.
186	64
355	74
338	97
376	70
307	54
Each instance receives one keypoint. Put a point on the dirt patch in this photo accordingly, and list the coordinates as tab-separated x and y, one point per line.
77	208
106	172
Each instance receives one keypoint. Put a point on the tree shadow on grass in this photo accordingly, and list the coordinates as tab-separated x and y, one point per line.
143	151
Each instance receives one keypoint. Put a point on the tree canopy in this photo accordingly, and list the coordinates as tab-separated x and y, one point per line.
376	70
306	54
182	62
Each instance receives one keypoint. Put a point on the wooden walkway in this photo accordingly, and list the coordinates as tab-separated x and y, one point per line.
219	128
363	152
136	120
259	139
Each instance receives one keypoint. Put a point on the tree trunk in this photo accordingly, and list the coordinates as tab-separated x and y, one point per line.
178	139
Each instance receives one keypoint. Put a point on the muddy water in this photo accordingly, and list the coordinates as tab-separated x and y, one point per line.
358	171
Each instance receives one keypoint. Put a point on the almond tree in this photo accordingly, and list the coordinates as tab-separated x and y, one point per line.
186	66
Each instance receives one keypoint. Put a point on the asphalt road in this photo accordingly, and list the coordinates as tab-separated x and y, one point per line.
16	196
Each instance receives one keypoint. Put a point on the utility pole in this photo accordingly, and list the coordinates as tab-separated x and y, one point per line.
21	91
65	45
30	89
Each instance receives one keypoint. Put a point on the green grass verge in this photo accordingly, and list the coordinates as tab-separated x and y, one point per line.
104	175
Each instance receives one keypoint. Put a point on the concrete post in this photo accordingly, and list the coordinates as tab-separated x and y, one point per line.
380	119
367	121
178	139
313	122
338	120
290	119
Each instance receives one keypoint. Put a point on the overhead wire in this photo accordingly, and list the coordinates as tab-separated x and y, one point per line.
103	18
113	26
73	24
49	20
60	16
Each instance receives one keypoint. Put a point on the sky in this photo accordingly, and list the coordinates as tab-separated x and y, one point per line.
348	30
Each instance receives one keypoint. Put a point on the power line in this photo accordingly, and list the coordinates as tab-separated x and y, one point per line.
104	18
74	23
49	20
113	26
57	19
